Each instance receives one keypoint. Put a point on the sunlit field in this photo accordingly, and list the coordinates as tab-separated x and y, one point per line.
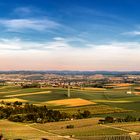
97	101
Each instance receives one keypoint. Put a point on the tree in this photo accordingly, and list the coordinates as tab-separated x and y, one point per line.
109	119
130	118
86	114
17	103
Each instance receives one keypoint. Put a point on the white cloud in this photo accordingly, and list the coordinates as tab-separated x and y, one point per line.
64	43
58	38
132	33
118	45
18	44
33	24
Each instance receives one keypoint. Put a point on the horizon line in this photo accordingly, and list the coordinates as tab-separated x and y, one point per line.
72	70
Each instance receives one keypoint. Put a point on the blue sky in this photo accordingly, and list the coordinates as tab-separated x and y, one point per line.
70	34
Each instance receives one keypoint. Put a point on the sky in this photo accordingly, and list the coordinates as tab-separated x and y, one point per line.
70	35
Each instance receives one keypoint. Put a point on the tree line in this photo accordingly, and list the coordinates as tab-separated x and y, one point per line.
110	119
18	112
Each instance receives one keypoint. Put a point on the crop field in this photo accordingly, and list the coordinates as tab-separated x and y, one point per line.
27	94
137	88
133	127
11	130
69	102
121	84
58	131
95	109
11	100
88	127
101	103
94	89
97	101
137	93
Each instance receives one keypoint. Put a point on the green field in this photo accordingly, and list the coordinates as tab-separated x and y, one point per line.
110	99
89	127
112	102
58	131
11	130
128	126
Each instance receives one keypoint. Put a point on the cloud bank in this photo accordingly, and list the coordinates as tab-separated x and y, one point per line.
60	54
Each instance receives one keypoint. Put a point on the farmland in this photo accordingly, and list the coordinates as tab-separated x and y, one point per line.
111	99
58	131
101	103
70	102
11	130
89	127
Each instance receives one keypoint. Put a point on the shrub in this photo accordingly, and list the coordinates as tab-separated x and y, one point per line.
86	114
130	119
70	126
33	85
109	119
17	103
16	118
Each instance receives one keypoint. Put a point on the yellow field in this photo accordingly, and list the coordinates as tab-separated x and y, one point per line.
136	93
137	88
11	100
118	85
27	94
69	102
99	89
111	101
122	87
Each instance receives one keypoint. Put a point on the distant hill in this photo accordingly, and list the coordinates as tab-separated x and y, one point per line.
73	72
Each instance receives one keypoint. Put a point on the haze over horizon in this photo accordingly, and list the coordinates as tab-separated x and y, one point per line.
70	35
